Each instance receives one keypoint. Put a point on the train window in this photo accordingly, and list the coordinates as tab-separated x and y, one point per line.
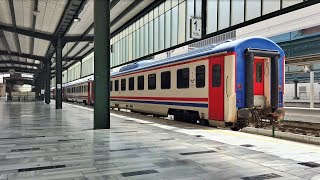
216	73
200	76
152	81
183	78
110	85
123	84
116	85
259	72
166	80
131	83
140	82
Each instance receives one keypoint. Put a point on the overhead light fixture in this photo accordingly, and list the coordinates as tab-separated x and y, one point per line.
77	19
36	12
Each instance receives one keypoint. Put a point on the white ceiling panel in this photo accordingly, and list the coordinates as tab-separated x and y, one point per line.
77	49
86	17
2	47
131	14
91	32
30	60
24	43
23	12
67	47
22	59
119	8
5	14
50	14
40	47
10	38
53	65
86	50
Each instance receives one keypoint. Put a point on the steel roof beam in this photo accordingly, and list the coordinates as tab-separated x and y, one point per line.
26	32
34	19
40	58
20	63
72	10
13	19
23	55
126	11
78	38
19	69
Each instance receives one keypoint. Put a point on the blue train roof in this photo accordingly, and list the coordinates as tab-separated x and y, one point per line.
238	46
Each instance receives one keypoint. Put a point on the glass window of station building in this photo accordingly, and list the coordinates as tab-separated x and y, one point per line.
167	25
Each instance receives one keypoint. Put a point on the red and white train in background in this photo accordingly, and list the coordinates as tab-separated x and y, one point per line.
220	85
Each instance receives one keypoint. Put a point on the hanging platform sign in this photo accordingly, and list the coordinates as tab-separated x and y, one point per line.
195	28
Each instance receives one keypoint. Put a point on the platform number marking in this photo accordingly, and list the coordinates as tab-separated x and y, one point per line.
195	27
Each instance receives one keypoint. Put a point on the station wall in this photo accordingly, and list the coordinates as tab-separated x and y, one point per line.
303	91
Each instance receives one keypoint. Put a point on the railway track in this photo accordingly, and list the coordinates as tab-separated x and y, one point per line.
299	127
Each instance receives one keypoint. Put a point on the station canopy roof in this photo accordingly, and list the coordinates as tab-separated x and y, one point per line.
29	29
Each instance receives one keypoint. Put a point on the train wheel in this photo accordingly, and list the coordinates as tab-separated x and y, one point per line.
235	128
204	122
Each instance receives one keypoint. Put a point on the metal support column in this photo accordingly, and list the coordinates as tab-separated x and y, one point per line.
59	74
42	83
81	68
101	64
295	89
48	81
311	89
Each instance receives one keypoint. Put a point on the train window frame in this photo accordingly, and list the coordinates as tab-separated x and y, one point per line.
259	74
216	80
123	84
200	78
116	85
111	86
140	80
131	83
166	80
152	80
182	82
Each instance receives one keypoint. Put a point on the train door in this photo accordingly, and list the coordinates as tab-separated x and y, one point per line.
258	76
216	88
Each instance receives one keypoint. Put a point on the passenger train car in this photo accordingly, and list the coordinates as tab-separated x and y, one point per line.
225	84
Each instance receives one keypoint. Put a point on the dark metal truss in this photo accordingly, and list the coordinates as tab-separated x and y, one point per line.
20	63
40	58
19	69
72	10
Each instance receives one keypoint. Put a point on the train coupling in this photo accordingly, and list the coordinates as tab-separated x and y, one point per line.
244	113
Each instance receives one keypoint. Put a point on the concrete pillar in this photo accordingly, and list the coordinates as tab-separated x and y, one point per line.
311	89
295	89
48	81
59	74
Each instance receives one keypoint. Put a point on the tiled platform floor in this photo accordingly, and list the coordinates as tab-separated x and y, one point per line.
38	142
